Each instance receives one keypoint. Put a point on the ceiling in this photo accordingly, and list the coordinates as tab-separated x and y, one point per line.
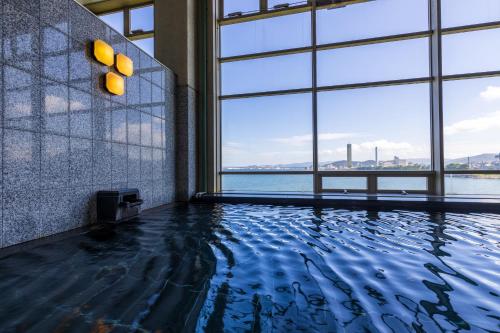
102	6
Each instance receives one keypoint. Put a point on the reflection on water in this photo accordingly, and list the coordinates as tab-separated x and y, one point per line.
326	270
235	268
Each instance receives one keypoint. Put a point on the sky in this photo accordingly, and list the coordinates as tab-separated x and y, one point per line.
278	129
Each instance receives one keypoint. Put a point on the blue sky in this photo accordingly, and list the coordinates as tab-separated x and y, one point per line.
272	130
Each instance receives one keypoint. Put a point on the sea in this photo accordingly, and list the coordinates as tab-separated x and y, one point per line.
455	184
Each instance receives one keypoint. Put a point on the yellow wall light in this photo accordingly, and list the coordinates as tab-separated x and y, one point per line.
124	65
104	53
115	84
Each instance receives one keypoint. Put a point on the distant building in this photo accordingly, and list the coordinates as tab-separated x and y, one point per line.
349	155
399	162
396	162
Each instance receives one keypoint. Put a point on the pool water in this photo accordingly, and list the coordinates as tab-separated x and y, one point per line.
239	268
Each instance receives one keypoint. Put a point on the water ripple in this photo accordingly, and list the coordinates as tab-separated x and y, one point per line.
257	268
327	270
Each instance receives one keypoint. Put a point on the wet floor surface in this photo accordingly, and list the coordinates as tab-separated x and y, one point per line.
254	268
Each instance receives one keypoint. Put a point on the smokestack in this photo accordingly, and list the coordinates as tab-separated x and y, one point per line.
376	156
349	155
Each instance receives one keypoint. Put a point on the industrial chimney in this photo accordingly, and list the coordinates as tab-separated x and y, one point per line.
349	155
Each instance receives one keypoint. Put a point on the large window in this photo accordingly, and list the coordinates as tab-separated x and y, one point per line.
471	97
267	74
382	128
470	52
254	136
240	6
376	62
371	19
277	33
136	23
339	96
466	12
115	20
472	124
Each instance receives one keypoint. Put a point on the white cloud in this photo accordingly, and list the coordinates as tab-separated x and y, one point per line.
22	108
387	145
335	136
77	106
303	139
491	93
381	144
294	140
237	154
386	150
56	104
488	122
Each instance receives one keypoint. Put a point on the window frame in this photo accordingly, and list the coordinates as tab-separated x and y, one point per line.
127	21
436	176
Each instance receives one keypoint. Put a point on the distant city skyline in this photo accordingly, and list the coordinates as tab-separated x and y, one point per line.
477	162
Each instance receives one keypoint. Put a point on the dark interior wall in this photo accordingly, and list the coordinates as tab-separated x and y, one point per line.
63	137
176	44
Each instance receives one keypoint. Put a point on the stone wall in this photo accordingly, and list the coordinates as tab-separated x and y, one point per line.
63	137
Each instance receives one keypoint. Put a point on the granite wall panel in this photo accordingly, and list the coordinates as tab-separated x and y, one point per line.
185	122
63	137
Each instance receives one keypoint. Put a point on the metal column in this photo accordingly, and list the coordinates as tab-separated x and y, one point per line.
436	96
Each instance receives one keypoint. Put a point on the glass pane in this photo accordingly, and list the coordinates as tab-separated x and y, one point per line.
372	19
254	138
267	183
402	183
472	124
385	128
275	73
232	6
142	19
114	20
464	12
147	45
471	52
472	184
376	62
282	3
344	183
278	33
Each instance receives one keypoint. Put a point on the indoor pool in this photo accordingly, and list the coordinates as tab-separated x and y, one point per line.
254	268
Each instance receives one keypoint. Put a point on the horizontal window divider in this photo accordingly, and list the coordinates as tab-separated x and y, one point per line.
377	173
260	193
406	191
265	54
466	76
269	13
472	172
142	35
266	172
109	7
266	93
375	40
472	27
258	15
329	88
323	190
375	84
332	46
